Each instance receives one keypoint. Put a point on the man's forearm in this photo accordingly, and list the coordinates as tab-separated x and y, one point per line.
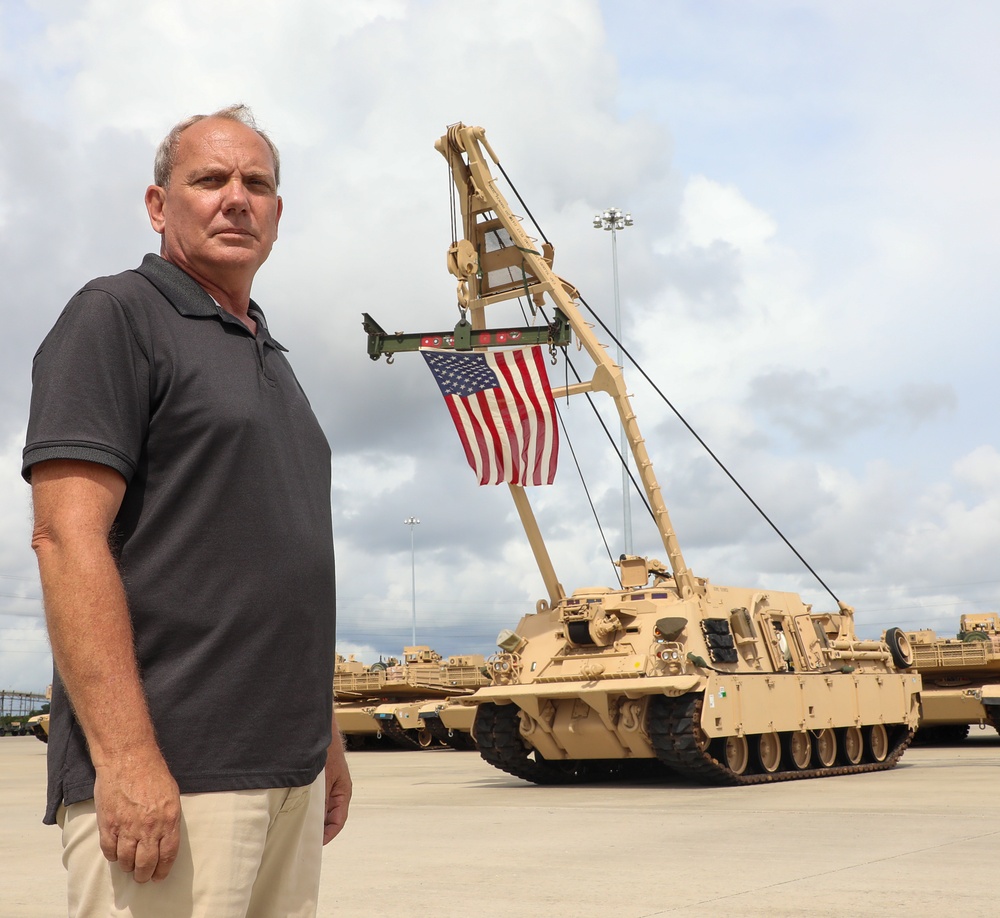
75	506
93	648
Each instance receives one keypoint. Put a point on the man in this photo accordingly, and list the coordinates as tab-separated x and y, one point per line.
181	490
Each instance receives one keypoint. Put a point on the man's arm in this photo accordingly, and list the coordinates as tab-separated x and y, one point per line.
338	787
138	805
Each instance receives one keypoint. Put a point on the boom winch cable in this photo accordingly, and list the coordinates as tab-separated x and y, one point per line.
708	450
671	406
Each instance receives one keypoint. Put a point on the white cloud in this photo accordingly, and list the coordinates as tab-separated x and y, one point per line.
980	470
712	212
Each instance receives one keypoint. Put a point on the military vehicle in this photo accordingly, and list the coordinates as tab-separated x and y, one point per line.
9	727
960	675
725	685
449	722
39	725
398	699
16	709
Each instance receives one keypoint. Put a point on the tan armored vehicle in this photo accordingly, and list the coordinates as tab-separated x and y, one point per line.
397	699
723	684
450	722
960	675
39	725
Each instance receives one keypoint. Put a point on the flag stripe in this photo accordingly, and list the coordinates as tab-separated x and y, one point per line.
480	437
484	405
459	414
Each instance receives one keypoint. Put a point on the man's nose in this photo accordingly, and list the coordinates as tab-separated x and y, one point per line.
234	194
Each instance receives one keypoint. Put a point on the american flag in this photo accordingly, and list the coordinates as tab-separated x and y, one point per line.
502	406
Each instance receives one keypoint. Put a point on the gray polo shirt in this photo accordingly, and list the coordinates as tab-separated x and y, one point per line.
224	537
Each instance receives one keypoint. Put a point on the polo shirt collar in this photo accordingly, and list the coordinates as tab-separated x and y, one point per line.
189	298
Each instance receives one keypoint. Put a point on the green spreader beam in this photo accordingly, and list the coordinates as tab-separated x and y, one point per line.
464	338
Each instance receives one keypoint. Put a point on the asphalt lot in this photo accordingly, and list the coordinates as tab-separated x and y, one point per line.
440	833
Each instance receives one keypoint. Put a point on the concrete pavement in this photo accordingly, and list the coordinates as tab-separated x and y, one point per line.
440	833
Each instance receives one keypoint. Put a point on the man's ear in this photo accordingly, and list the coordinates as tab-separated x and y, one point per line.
155	198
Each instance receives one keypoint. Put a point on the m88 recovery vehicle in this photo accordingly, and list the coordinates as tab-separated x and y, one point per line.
726	685
398	699
960	675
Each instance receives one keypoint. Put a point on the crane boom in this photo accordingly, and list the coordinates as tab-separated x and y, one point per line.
496	261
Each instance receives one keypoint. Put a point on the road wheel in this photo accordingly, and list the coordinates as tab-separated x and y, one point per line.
425	739
825	748
798	747
899	647
769	752
877	743
736	754
851	746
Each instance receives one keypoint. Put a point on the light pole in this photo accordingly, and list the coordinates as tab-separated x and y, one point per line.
412	521
613	220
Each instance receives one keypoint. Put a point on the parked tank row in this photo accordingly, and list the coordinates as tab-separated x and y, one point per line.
396	701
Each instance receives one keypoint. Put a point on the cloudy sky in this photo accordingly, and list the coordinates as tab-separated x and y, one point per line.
812	278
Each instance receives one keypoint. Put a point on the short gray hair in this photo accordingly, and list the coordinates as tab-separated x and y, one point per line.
166	153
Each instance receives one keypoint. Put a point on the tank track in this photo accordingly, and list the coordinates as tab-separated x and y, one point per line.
673	725
407	739
455	739
993	715
499	737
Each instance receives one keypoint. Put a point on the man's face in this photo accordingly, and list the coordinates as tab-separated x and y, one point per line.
219	213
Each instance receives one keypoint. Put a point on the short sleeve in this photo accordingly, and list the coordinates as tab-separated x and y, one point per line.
89	388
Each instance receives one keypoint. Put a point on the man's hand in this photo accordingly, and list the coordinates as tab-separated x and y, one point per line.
338	788
138	816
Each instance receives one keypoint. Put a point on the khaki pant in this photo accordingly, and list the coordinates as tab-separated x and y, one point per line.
243	854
